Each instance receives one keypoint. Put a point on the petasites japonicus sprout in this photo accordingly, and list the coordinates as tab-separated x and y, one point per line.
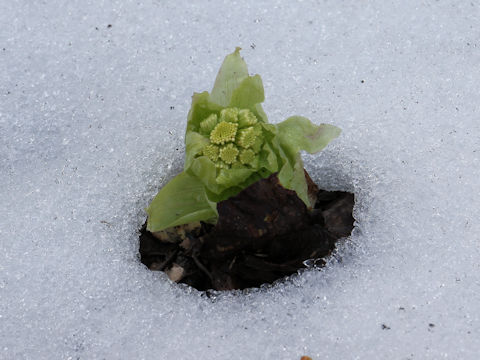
230	145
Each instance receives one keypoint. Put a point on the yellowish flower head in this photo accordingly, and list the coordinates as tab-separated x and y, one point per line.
229	153
223	133
234	138
229	115
247	156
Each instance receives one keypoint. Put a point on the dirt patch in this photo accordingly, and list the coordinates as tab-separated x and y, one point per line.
263	234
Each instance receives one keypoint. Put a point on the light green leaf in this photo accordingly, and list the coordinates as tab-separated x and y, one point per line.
259	113
298	133
181	201
194	143
232	73
268	159
201	108
292	177
233	177
270	130
204	169
285	175
298	181
248	93
295	134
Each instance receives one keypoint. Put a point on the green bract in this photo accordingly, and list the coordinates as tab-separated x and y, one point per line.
230	145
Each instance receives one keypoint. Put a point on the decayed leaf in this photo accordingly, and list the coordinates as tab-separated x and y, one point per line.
178	234
262	212
336	207
264	233
176	272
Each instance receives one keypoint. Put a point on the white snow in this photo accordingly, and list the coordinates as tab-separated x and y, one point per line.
88	135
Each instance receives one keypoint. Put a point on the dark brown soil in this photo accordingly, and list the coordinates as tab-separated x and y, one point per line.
263	234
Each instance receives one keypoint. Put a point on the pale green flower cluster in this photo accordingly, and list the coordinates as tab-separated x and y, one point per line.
235	138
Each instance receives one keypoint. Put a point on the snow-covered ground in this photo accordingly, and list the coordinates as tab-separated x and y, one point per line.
93	104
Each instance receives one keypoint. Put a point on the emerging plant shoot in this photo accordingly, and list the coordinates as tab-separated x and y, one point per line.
230	145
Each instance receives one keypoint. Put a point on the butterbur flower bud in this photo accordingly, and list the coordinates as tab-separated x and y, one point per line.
230	145
229	139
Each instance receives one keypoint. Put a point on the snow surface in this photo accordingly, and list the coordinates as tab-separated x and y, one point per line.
91	125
